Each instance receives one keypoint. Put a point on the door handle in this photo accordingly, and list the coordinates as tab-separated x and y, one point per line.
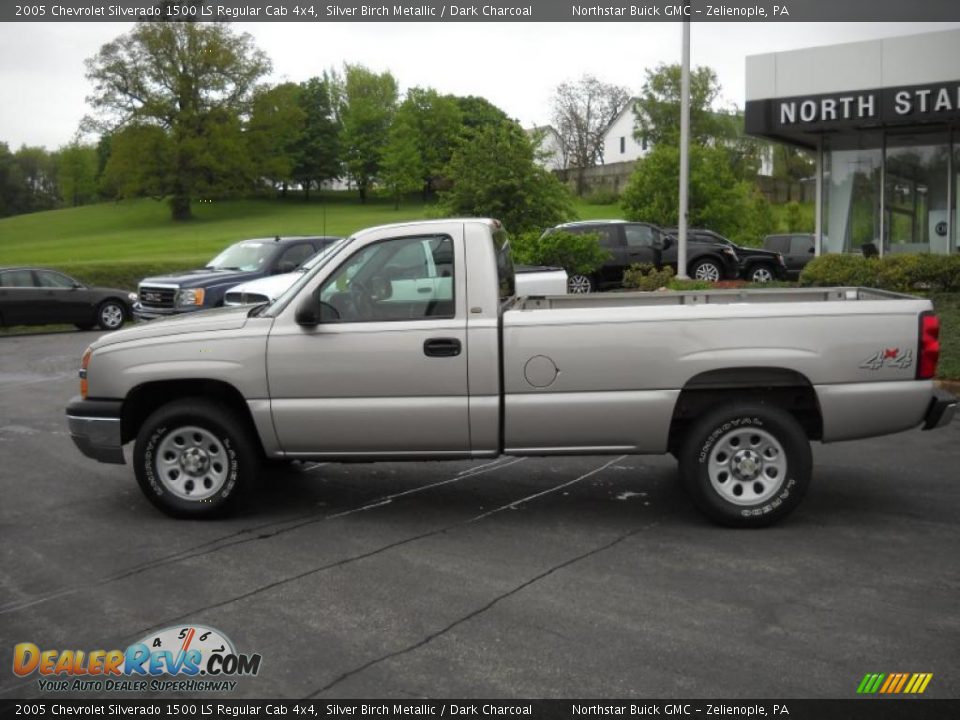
424	289
441	347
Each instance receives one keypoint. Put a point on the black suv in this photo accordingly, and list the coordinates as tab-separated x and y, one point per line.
240	263
756	265
640	242
797	249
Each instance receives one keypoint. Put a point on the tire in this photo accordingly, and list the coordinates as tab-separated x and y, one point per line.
706	269
580	284
772	474
111	315
193	458
761	273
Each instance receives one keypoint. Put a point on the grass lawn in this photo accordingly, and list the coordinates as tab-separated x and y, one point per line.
947	307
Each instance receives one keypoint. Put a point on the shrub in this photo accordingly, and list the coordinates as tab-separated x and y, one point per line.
681	285
900	273
577	254
644	276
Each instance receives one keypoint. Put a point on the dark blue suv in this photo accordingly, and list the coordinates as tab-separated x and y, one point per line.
242	262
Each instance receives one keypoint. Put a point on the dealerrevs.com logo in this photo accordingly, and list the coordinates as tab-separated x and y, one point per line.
180	658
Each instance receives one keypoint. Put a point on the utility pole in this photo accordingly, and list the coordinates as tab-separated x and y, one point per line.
684	150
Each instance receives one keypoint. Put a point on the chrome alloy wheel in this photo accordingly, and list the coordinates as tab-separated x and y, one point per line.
578	284
708	272
192	463
761	275
747	466
111	316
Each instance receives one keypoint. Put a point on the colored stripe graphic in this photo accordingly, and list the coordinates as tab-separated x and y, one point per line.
894	683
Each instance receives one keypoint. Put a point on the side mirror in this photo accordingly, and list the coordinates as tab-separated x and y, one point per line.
312	312
77	286
666	242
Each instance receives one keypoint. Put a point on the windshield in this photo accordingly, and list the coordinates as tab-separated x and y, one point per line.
247	256
315	263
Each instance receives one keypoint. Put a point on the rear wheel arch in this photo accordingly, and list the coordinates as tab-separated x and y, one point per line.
779	387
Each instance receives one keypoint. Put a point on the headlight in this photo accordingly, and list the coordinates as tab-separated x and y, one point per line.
84	364
780	259
729	251
132	297
190	297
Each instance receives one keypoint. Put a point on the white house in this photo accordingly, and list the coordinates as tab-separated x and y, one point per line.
619	144
549	145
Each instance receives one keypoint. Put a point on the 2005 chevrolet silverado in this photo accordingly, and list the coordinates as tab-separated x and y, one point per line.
344	367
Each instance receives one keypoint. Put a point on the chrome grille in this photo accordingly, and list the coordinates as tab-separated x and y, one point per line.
157	297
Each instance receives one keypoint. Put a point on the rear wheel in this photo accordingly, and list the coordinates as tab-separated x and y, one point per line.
194	458
706	269
110	315
579	284
746	465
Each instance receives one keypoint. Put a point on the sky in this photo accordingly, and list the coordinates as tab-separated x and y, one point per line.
516	66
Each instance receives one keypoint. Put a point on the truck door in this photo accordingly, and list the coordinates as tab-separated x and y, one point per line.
385	374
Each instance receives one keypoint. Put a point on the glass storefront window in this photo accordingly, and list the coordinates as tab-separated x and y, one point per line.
916	198
851	191
955	190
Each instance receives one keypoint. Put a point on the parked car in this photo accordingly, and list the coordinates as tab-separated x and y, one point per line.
797	249
38	296
469	370
756	265
241	262
639	242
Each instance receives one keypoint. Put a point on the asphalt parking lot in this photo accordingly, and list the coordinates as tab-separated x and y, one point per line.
557	577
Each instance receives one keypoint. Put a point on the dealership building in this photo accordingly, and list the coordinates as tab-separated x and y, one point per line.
883	119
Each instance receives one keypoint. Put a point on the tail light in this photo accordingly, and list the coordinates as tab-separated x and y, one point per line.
84	364
929	351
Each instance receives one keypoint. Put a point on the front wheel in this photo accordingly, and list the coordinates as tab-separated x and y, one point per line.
110	315
708	270
194	458
761	274
746	465
580	284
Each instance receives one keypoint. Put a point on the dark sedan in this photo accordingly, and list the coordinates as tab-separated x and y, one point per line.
37	296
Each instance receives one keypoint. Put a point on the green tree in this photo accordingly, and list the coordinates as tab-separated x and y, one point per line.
496	175
191	80
438	125
657	110
318	147
477	112
38	175
402	167
12	189
140	162
718	200
77	173
369	102
582	111
276	126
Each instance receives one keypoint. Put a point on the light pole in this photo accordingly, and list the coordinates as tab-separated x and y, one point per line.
684	150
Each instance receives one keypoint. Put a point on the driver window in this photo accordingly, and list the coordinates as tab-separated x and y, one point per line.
53	280
402	279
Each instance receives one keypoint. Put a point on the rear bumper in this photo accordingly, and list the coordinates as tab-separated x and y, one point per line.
943	406
95	429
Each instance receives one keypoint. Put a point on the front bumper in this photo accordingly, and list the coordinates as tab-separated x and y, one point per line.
151	313
95	429
943	406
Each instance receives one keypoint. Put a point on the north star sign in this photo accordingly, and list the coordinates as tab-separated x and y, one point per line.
938	102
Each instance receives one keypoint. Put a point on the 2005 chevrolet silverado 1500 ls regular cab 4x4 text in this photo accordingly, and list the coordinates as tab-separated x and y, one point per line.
340	367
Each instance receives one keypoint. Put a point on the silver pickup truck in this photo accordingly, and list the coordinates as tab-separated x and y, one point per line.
734	384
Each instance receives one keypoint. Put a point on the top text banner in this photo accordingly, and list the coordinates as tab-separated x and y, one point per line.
496	11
